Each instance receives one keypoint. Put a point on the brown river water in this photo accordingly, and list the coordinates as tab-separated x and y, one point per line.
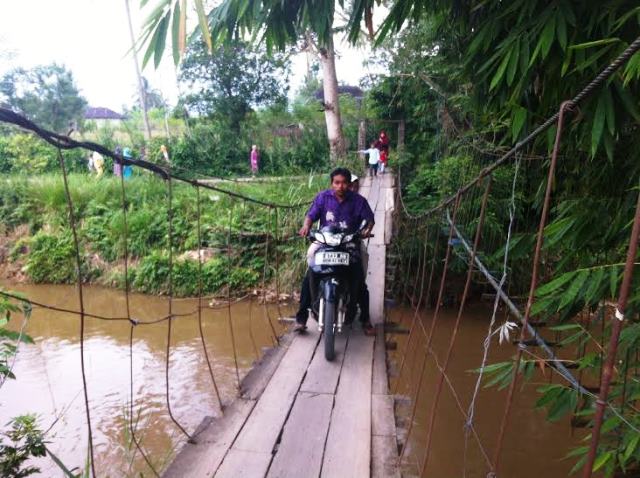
49	381
49	384
533	447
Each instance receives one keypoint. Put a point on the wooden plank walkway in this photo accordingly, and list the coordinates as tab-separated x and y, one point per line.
301	416
381	197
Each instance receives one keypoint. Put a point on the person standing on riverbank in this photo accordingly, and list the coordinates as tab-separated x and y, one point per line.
98	163
254	158
127	170
117	167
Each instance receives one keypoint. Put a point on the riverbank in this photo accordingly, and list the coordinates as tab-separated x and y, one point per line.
240	243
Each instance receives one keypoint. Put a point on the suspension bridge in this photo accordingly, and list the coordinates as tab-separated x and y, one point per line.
297	415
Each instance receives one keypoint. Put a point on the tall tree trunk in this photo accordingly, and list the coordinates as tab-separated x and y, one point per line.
401	130
331	105
143	98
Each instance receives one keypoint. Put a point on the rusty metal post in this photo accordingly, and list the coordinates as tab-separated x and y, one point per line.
534	283
432	329
616	327
454	333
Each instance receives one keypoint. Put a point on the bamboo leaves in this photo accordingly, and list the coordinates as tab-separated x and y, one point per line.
598	125
604	116
497	77
576	289
558	400
518	121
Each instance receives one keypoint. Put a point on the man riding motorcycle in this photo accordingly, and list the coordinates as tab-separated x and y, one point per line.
345	209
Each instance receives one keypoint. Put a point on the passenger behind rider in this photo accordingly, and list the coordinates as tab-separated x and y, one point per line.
338	206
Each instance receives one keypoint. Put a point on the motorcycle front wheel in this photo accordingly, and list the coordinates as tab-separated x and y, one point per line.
329	311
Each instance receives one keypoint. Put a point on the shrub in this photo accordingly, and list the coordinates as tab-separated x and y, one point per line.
51	259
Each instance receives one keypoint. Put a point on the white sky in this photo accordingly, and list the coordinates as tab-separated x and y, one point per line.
91	38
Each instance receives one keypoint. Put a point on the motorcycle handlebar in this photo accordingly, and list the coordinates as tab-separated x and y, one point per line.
311	238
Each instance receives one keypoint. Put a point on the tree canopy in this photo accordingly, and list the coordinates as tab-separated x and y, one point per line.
46	94
233	80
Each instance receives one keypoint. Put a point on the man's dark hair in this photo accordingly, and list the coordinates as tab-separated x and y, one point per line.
341	172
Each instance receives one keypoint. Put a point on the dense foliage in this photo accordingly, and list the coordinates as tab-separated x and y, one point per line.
23	153
473	78
45	94
232	81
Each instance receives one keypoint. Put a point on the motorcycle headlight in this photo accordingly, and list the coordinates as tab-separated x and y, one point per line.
348	238
333	239
318	236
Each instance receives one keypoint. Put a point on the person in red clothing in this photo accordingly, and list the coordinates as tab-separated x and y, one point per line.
383	146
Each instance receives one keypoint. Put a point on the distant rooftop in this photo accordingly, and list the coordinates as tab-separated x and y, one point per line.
354	91
92	113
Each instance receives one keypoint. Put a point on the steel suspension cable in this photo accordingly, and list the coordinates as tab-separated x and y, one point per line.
416	313
434	321
200	273
68	143
534	281
251	335
594	84
76	246
170	303
229	314
264	285
454	333
132	325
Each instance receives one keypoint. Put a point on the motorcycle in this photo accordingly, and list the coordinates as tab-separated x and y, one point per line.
338	250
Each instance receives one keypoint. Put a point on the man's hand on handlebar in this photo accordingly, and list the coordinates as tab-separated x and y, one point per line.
306	227
366	232
304	231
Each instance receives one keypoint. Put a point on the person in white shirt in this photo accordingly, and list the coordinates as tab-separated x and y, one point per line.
374	158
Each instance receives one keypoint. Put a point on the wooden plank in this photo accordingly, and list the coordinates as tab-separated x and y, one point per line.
239	463
302	446
263	426
254	383
383	421
384	457
203	458
322	376
374	191
378	229
375	282
348	449
388	226
380	383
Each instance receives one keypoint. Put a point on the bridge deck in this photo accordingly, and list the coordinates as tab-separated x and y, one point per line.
301	416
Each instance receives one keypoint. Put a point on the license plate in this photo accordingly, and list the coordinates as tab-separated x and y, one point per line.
325	258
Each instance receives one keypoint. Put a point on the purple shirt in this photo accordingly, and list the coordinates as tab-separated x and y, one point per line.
347	214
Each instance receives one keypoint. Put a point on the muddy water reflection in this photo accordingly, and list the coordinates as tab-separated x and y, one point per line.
49	380
533	446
